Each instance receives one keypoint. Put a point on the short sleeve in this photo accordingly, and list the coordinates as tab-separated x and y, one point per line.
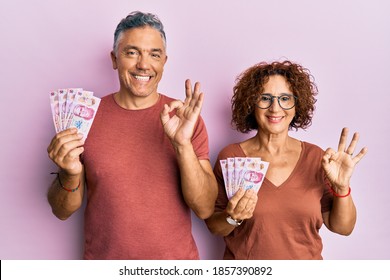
200	140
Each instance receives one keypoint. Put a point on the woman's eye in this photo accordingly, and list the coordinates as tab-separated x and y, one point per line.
265	98
285	98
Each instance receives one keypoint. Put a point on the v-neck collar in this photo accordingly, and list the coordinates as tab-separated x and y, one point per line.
299	162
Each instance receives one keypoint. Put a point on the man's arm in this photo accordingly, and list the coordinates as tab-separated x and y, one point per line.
64	202
66	193
198	182
199	185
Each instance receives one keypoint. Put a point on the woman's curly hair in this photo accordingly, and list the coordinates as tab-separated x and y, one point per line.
249	85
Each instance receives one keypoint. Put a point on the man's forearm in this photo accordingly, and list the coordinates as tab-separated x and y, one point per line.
65	195
199	185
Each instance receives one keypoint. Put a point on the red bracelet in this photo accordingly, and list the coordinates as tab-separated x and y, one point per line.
62	186
336	194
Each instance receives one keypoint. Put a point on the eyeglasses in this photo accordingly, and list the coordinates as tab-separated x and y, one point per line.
286	101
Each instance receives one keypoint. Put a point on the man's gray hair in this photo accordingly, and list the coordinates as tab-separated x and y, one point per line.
138	19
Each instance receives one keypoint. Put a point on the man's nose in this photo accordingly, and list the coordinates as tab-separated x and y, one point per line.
143	62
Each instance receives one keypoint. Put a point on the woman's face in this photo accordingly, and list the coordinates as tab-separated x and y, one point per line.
275	120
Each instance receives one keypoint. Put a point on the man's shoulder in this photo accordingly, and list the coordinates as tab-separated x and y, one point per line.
107	96
166	98
106	99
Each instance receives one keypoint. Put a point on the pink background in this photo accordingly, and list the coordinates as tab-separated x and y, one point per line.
52	44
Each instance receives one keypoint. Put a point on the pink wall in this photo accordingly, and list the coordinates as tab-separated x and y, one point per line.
53	44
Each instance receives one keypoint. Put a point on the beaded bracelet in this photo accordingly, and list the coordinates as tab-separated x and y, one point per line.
62	186
337	195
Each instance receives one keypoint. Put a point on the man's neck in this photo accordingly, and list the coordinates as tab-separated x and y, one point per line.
131	102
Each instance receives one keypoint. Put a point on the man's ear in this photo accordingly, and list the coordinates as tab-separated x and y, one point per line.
166	59
113	60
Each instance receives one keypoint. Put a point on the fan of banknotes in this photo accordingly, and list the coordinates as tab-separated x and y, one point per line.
73	107
243	172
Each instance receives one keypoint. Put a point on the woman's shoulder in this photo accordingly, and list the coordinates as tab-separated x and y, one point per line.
310	148
231	150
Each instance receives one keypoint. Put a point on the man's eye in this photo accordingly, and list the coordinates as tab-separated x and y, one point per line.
156	55
131	53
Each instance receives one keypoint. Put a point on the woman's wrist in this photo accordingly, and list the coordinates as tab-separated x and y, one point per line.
341	192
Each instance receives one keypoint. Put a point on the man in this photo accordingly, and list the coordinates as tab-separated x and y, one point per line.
145	161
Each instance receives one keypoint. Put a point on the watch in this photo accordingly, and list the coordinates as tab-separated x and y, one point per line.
233	222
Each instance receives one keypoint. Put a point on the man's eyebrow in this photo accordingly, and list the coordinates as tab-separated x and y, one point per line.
157	50
131	47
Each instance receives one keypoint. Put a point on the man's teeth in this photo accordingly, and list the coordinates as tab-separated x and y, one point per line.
142	78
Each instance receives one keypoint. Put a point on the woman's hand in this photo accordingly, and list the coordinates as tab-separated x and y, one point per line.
339	165
242	204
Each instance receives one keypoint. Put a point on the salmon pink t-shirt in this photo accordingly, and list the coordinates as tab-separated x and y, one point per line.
135	208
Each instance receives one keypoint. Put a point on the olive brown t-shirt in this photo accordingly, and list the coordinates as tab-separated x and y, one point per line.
287	219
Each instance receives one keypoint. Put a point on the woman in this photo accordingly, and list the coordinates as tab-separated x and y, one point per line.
304	186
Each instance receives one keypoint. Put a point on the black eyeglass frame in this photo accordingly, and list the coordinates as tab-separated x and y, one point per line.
278	97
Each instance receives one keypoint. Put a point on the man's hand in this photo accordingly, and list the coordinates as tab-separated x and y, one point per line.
180	127
65	150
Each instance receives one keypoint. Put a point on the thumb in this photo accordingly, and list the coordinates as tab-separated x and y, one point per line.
164	116
327	157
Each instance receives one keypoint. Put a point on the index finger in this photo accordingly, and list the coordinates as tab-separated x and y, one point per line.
60	134
247	199
234	200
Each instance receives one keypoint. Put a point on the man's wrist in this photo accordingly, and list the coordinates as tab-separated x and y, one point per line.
69	183
183	148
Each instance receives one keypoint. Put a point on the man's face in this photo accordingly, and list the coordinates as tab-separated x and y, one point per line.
140	60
